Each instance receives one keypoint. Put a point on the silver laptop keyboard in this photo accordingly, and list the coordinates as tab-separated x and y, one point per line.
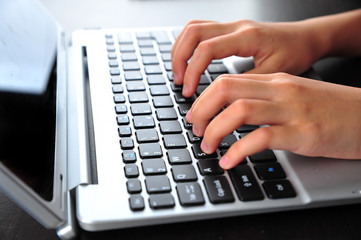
155	137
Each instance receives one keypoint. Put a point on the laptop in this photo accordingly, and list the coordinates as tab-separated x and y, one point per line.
93	135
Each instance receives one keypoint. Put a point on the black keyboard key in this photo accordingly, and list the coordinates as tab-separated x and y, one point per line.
152	69
190	194
150	60
178	97
131	66
179	156
121	108
129	156
117	88
122	119
119	98
143	122
116	80
166	114
125	38
186	124
140	109
176	88
227	141
218	189
128	56
159	201
245	183
184	173
200	89
134	186
183	108
217	68
193	138
154	167
159	90
157	184
146	135
136	203
170	127
133	76
246	128
156	79
209	167
135	86
124	131
269	171
138	97
264	156
126	143
279	189
131	170
204	80
174	141
199	154
150	150
162	101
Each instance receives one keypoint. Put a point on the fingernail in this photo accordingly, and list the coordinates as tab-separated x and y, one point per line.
195	131
204	147
185	90
223	162
175	78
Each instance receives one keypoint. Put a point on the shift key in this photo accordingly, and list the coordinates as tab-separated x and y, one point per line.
245	183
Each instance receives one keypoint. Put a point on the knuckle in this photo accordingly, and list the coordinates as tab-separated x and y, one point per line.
266	135
205	47
222	86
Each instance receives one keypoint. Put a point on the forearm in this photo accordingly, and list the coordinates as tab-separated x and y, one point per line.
335	35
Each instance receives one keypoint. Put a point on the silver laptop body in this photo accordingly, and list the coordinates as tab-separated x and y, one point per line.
90	177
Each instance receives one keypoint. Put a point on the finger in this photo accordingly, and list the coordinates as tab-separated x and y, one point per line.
253	112
273	137
187	42
224	91
214	48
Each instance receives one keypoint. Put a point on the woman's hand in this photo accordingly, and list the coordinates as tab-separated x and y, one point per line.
276	47
305	116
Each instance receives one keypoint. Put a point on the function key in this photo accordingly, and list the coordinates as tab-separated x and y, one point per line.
279	189
129	156
269	171
218	189
136	203
134	186
264	156
161	201
245	183
131	170
190	194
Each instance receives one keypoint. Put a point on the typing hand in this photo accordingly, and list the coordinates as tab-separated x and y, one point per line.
305	116
276	47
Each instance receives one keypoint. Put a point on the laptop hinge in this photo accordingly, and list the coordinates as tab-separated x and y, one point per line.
81	149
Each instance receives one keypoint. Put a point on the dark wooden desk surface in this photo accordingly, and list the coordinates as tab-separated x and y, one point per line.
340	222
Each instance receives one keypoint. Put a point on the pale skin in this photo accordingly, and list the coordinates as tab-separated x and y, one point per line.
304	116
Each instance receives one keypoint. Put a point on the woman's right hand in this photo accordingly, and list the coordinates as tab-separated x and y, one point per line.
276	47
